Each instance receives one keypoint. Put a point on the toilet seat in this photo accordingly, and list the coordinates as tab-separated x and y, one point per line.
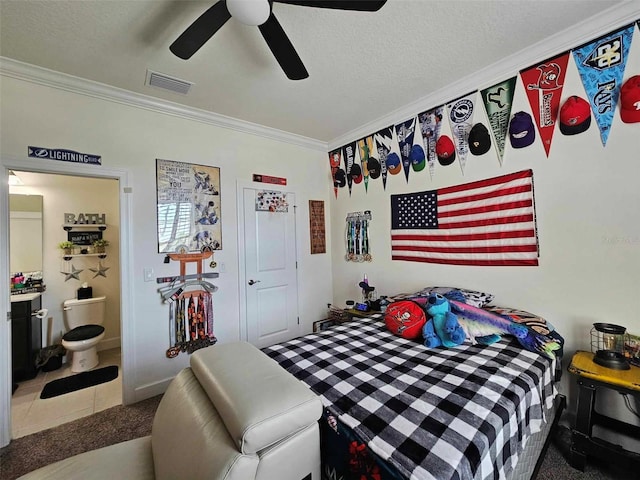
83	332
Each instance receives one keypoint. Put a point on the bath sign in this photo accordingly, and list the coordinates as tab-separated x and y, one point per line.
85	219
64	155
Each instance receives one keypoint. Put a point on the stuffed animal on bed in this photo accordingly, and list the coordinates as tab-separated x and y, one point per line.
485	328
442	328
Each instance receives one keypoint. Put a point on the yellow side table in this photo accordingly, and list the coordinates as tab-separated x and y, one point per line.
592	377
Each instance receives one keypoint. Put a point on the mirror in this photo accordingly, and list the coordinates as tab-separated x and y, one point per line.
25	242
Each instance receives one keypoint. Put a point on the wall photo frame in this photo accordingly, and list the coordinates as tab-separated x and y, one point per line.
317	227
188	207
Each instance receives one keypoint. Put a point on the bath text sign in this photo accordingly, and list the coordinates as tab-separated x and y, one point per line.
85	219
64	155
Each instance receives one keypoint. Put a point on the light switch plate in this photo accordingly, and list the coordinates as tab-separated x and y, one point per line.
148	274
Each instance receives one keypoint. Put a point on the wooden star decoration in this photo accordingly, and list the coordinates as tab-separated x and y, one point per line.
74	273
100	271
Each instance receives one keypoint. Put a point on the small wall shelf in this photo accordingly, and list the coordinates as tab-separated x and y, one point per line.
84	226
69	257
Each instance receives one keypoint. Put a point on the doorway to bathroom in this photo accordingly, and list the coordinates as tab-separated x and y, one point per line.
67	200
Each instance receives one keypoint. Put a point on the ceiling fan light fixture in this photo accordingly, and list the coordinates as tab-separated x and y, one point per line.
250	12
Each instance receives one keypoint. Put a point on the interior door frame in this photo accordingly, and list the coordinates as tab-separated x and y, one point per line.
242	277
126	273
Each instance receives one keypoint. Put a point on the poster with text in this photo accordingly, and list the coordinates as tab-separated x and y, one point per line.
188	199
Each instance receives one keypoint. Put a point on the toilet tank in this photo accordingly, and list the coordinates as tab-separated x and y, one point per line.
89	311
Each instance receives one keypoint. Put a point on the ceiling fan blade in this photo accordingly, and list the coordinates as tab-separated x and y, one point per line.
282	49
363	5
201	30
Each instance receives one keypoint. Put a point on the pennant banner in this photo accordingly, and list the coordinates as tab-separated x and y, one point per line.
405	132
430	126
485	223
460	114
349	159
497	103
383	140
335	159
543	84
370	166
601	64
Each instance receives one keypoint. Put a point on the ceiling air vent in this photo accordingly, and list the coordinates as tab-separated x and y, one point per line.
160	80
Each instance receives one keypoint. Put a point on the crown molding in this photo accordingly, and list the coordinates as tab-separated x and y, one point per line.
583	32
42	76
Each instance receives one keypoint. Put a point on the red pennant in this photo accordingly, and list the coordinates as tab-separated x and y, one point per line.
543	84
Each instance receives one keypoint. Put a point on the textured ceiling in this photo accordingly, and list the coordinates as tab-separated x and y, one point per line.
362	66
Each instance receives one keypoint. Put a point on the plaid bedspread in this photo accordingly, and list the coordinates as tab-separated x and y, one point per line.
458	413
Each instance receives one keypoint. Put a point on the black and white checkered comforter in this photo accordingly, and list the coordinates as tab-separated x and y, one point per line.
458	413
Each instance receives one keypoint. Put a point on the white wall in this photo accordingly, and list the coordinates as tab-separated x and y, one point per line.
130	139
68	194
588	216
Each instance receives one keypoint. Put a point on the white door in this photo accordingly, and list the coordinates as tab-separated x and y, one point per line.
271	291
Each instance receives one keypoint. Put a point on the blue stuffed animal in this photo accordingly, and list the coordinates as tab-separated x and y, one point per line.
443	327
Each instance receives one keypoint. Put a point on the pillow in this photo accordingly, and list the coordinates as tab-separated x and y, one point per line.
405	318
470	297
536	322
532	320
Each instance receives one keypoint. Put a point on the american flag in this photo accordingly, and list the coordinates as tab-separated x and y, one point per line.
488	222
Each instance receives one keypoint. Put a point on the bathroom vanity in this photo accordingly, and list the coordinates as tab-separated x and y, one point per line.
26	334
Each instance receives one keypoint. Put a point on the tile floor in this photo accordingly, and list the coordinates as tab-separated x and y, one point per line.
30	414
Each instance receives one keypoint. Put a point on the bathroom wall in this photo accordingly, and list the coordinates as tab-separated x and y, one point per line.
67	194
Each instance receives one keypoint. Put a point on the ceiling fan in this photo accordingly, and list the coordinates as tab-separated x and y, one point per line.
259	12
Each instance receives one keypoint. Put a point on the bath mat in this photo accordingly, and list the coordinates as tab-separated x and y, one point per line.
79	381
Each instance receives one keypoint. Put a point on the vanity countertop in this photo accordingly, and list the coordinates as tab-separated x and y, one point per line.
25	297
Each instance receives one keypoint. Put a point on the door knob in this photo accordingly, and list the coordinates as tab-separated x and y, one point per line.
251	282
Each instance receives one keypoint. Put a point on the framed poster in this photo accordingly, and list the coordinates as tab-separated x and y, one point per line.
188	198
316	227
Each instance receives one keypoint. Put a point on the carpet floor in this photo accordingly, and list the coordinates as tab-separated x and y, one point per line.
118	424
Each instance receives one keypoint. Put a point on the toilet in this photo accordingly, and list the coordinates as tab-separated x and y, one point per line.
84	319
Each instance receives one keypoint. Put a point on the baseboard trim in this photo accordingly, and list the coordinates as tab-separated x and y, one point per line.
109	344
151	389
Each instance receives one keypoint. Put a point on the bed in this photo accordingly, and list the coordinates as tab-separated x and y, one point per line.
395	409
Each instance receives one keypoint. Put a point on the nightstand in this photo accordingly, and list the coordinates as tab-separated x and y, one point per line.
591	378
352	312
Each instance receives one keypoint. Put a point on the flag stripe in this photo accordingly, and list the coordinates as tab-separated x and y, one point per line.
486	208
503	179
486	249
466	237
484	195
471	262
487	222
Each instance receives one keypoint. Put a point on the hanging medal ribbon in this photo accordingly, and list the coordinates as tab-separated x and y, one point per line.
357	237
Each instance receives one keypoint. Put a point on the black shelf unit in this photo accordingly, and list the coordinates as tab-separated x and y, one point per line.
26	338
